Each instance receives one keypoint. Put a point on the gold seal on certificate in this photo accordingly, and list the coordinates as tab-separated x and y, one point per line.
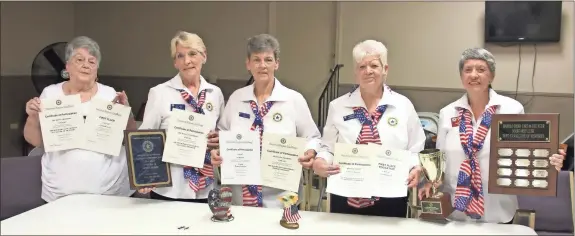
521	145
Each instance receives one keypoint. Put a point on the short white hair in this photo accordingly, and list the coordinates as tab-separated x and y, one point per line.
370	47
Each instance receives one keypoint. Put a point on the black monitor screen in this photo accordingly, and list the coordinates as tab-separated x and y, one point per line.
533	21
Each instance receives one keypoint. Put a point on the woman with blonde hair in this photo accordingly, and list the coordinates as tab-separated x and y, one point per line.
188	91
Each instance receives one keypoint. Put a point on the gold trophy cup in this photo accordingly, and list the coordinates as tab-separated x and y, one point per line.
438	206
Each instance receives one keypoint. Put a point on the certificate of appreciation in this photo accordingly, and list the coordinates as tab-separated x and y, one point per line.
240	152
104	127
279	162
391	171
187	138
356	174
61	123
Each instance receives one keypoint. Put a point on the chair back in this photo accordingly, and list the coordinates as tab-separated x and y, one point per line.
21	185
37	151
553	214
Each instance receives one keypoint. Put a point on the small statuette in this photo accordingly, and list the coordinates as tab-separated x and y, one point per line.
220	201
291	215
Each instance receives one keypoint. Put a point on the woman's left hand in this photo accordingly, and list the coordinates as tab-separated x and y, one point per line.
213	139
557	159
122	98
413	177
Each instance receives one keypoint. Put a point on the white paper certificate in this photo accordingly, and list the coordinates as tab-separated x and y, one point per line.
187	139
356	174
280	166
61	122
240	152
392	170
104	127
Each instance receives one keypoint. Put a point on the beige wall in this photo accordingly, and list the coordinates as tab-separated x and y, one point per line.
27	27
314	35
138	42
425	41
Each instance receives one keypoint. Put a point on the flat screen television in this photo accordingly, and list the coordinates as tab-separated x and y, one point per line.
522	21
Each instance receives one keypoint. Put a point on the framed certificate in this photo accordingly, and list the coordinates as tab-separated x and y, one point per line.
144	150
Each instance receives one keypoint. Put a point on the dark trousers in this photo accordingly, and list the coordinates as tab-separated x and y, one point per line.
156	196
391	207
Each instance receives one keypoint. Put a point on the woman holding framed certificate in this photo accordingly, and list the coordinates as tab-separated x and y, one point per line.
75	170
267	106
466	119
189	92
371	114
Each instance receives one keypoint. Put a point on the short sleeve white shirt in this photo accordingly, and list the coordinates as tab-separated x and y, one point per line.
79	171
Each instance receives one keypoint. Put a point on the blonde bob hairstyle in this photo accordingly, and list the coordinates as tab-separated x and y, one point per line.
188	40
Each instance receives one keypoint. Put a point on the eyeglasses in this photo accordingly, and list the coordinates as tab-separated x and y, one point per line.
80	61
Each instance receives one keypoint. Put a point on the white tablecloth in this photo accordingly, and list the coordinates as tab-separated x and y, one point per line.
94	214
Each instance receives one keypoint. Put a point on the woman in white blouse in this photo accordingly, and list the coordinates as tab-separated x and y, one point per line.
372	113
188	91
469	118
79	171
267	105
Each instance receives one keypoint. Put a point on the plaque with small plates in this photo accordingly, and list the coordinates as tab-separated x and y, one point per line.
521	145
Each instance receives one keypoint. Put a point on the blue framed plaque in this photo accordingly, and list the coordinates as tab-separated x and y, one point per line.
144	150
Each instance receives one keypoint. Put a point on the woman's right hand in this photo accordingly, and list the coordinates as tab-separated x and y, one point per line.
215	157
33	107
321	168
145	190
425	191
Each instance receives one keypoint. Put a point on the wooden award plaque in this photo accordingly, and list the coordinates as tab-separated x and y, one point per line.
521	145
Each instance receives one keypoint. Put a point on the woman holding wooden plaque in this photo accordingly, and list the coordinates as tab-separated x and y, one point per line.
464	138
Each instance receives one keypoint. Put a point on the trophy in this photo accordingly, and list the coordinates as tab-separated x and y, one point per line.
220	201
438	206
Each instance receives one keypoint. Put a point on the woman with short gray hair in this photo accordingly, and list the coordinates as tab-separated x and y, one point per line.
79	171
267	103
464	137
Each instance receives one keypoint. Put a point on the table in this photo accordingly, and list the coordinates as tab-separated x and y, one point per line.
97	214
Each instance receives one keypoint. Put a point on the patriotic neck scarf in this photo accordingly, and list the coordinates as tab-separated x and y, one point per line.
198	178
252	194
469	190
368	134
